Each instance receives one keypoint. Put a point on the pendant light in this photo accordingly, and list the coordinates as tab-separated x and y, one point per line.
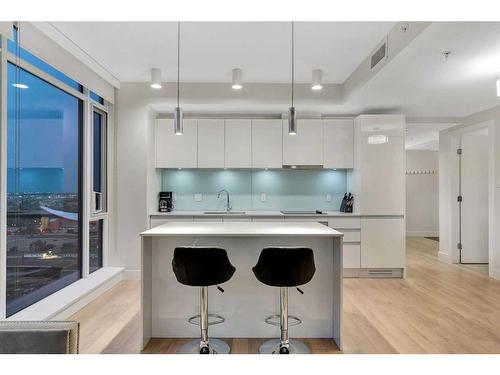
292	115
317	76
155	78
498	87
178	123
237	79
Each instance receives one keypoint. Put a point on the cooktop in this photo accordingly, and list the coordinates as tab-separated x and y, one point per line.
316	212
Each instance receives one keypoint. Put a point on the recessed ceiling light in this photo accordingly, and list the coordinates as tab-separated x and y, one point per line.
316	79
237	79
20	85
155	78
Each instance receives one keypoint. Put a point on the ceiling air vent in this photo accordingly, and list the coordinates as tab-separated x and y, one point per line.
379	55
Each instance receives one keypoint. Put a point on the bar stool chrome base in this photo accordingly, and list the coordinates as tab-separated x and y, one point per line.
215	346
294	347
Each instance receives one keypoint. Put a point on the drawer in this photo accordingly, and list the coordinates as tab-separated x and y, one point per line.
236	219
307	219
207	219
344	222
159	220
351	235
352	256
269	219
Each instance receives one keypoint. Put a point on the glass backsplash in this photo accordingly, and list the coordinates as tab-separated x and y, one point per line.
283	189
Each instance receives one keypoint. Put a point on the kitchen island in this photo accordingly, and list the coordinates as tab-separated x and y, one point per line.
166	304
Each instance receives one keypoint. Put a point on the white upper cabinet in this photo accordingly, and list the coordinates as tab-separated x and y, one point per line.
306	147
238	143
267	146
338	143
176	151
210	143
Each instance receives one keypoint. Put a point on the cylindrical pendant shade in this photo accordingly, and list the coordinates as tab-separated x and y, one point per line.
498	87
292	121
237	79
156	78
316	79
178	123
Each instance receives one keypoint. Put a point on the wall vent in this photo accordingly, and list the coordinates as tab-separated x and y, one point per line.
379	55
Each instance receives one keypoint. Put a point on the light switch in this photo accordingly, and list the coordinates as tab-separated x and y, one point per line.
198	197
328	197
174	197
263	197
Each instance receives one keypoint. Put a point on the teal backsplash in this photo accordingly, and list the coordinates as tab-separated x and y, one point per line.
285	189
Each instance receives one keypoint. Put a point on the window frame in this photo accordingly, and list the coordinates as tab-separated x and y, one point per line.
104	160
85	168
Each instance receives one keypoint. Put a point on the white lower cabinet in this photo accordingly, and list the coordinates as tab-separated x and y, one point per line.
207	219
383	242
352	255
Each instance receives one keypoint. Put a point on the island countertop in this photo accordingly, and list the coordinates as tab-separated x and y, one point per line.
243	229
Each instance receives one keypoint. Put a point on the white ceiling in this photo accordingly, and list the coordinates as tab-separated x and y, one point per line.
424	136
418	82
209	50
421	82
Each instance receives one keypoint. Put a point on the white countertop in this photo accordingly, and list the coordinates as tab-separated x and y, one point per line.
253	213
247	229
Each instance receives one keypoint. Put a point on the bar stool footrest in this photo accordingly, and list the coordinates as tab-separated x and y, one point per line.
275	320
216	319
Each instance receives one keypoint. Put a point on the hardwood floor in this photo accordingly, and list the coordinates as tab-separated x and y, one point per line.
438	308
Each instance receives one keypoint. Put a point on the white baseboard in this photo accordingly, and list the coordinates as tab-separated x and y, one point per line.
420	233
132	275
444	257
495	273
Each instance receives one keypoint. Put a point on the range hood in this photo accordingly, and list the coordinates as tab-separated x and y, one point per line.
302	167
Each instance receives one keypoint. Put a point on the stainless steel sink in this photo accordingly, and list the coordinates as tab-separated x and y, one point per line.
224	212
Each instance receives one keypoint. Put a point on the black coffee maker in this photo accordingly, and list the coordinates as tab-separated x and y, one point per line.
166	202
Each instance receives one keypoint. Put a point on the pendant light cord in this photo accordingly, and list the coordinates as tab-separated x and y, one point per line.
293	58
178	59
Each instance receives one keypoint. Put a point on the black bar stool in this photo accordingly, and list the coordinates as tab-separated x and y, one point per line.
202	267
284	267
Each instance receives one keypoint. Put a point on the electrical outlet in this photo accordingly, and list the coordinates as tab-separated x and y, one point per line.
328	197
198	197
174	197
263	197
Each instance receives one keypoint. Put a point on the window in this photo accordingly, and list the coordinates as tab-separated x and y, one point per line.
96	98
44	177
96	231
99	166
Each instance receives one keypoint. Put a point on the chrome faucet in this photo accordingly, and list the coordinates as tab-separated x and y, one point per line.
228	205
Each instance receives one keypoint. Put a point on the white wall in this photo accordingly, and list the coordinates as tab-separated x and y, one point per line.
422	194
134	124
448	182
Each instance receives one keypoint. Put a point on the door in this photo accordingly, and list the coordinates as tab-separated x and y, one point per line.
238	144
473	223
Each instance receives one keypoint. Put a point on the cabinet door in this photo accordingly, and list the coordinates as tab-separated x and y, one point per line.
382	243
238	144
176	151
306	147
351	256
338	143
382	177
267	144
210	143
